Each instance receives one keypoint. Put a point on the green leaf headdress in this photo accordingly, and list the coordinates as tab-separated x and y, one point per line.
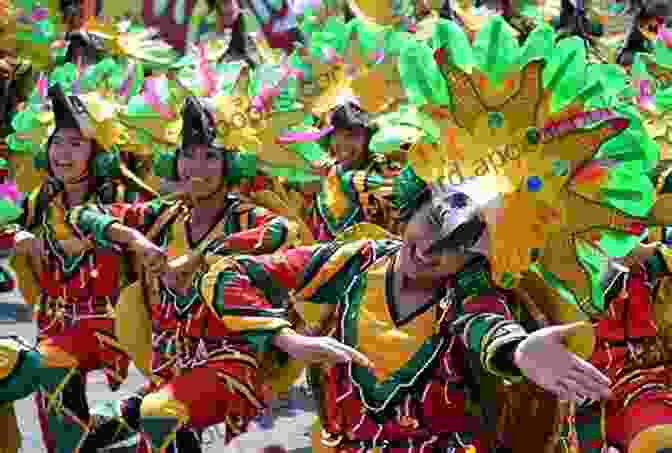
569	181
36	122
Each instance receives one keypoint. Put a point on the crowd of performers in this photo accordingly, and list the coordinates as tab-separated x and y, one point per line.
453	217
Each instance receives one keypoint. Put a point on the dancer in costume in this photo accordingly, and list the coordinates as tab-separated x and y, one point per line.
419	307
217	343
524	125
71	285
648	19
207	210
356	188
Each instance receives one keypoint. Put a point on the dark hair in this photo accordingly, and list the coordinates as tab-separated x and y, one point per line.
8	106
350	116
87	46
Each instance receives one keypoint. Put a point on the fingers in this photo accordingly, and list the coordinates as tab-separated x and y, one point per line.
571	390
585	368
332	354
356	356
344	353
594	389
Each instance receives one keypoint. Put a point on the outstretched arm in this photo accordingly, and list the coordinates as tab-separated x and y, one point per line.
486	327
261	232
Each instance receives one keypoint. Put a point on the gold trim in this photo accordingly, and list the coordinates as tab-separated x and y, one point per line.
133	326
9	357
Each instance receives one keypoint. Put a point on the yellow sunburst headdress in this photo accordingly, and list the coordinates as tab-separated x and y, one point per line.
528	122
349	60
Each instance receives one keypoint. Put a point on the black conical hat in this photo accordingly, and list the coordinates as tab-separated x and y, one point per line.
198	126
70	112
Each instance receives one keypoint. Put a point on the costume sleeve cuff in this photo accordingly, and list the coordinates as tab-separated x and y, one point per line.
497	348
90	222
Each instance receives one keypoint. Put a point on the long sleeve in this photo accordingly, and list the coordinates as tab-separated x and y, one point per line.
485	324
261	232
345	196
249	295
93	220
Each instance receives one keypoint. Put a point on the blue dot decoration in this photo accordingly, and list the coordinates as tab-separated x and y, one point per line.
534	184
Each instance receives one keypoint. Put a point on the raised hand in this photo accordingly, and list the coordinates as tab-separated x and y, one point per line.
544	359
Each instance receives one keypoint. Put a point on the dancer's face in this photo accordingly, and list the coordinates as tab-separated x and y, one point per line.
201	170
69	155
348	147
418	261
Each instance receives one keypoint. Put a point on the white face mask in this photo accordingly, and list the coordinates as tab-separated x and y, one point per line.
489	202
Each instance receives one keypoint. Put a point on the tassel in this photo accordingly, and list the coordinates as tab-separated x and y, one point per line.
10	442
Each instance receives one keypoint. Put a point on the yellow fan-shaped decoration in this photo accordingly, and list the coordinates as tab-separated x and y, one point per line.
241	125
500	135
379	12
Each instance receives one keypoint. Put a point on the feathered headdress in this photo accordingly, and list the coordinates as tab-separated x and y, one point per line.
569	175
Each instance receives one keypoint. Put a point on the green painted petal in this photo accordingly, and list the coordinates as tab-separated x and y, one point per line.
639	70
395	41
630	191
421	77
94	76
664	99
565	73
538	45
309	151
9	212
605	85
411	116
617	243
631	147
450	36
65	75
595	264
663	54
369	39
496	51
391	137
